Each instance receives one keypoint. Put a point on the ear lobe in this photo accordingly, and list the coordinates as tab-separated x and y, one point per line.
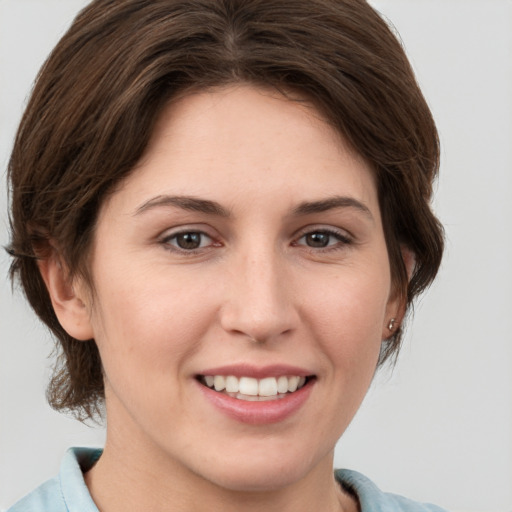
396	309
71	310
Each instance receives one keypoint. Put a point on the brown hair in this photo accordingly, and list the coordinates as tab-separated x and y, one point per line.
98	96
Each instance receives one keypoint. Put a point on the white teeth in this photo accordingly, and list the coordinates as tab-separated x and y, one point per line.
293	383
267	387
219	382
282	384
232	384
250	387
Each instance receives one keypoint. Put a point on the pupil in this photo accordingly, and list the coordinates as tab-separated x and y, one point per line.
318	239
189	240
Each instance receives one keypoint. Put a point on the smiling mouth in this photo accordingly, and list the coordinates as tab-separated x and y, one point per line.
256	390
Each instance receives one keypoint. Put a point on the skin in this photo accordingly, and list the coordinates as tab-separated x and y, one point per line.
257	291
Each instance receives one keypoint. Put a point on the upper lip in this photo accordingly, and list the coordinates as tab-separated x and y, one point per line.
257	372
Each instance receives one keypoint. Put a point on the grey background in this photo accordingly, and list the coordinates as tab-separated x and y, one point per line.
439	427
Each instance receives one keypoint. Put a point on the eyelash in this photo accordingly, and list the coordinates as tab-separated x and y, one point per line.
167	241
342	238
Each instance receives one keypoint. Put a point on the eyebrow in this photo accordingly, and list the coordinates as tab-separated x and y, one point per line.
330	203
186	203
209	207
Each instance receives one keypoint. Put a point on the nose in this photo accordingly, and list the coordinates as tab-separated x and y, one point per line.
260	303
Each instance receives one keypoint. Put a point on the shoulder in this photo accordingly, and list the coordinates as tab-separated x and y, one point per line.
66	492
45	498
372	499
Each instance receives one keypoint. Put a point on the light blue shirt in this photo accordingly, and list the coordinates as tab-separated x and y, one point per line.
67	492
372	499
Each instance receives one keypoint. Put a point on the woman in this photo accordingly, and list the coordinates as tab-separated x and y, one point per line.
221	209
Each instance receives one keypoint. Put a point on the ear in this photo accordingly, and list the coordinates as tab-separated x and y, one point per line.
69	306
409	260
396	307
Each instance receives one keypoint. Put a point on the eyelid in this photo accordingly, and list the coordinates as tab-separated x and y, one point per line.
177	229
168	234
322	228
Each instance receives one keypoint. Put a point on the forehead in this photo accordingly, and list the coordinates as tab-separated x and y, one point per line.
234	112
231	138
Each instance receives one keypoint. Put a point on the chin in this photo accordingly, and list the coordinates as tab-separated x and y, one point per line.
263	473
254	480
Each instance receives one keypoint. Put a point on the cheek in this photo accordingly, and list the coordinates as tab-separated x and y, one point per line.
353	306
147	321
347	319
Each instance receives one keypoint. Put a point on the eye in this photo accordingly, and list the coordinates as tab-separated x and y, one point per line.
323	239
188	240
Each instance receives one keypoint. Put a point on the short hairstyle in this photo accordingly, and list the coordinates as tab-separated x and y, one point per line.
98	96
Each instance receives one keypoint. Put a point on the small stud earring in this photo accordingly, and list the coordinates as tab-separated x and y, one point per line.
391	324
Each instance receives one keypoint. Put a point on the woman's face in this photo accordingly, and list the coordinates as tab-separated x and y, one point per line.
245	250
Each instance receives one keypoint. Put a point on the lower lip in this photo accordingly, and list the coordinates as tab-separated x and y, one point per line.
258	413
